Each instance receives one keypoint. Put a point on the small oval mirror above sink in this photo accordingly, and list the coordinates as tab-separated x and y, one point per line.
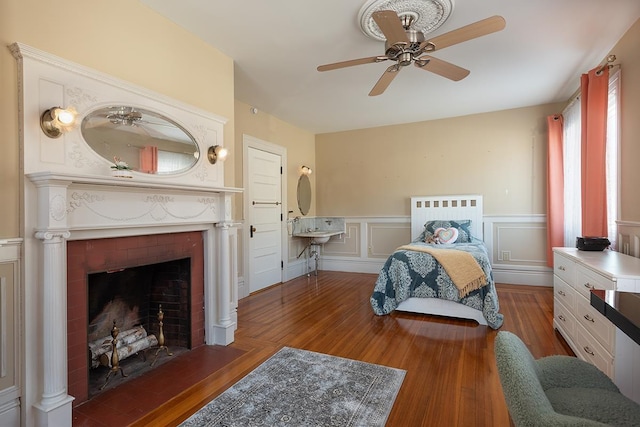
147	141
304	194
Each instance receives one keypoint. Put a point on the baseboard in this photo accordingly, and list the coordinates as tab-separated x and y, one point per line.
514	276
372	266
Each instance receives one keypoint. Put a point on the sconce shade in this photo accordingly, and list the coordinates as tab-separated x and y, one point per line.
215	153
57	120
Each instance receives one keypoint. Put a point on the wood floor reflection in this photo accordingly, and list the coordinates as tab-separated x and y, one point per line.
451	376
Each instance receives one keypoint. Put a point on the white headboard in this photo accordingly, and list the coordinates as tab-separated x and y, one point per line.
428	208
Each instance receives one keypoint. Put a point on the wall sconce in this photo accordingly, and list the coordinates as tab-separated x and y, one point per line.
217	152
305	170
57	120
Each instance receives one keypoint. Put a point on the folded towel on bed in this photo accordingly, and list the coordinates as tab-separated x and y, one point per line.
461	266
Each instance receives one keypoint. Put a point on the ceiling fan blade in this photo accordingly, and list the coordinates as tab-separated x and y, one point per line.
385	80
390	26
442	68
351	63
468	32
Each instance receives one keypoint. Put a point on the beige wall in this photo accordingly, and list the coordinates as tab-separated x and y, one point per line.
500	155
628	53
299	143
122	38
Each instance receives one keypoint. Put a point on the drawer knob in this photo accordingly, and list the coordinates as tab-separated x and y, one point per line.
589	286
589	318
588	351
561	317
562	293
561	268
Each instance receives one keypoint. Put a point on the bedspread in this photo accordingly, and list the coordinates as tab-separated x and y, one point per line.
409	273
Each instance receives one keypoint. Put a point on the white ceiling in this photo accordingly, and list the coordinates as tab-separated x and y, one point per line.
276	46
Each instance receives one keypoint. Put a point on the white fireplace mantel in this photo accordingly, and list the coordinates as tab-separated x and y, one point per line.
69	194
93	206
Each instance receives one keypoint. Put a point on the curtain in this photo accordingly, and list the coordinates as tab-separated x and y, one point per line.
149	159
594	87
555	186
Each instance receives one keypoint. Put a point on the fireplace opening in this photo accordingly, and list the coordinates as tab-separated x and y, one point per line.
150	307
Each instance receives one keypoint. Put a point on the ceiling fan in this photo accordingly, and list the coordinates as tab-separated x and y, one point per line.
405	45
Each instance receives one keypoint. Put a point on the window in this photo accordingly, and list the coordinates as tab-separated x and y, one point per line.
571	152
613	158
571	169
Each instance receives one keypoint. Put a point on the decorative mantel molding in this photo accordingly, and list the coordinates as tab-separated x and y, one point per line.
83	202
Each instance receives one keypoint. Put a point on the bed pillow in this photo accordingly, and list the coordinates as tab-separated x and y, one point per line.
446	235
464	235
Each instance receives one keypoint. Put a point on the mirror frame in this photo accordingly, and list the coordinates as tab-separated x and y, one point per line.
304	194
139	133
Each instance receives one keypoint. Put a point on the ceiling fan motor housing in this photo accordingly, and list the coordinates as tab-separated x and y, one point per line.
394	50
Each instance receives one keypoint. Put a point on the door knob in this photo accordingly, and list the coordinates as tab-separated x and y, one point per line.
252	230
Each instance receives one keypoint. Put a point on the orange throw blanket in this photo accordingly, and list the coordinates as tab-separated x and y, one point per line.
461	266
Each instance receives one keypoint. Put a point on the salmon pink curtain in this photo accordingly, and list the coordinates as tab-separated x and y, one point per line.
149	159
594	88
555	186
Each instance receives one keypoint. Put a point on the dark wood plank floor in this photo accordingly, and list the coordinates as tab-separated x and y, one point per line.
451	375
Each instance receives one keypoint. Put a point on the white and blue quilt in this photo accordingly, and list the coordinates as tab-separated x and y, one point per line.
408	273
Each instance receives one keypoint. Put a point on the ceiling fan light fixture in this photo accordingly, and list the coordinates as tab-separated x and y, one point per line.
422	15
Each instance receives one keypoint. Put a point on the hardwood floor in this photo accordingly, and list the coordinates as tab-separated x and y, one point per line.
451	375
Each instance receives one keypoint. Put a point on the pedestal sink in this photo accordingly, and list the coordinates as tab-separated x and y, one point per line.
319	237
316	239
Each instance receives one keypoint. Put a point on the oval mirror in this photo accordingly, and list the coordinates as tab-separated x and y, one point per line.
304	194
147	141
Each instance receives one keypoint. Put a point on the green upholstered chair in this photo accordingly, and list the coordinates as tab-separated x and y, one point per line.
558	390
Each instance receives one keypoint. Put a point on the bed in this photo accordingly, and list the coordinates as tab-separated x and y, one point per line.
414	278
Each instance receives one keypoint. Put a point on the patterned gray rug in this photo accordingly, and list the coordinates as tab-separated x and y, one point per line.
303	388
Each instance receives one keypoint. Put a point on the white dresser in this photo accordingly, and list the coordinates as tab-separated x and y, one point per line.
591	335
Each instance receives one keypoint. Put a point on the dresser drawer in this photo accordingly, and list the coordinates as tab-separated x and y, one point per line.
587	280
595	323
590	350
562	291
564	320
564	268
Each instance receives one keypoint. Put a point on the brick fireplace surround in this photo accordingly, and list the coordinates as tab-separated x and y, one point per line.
96	255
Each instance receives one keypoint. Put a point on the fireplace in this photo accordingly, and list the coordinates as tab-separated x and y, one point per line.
133	297
90	262
80	220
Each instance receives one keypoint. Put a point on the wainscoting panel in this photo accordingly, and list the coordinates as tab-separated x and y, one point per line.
10	345
384	238
629	238
367	244
347	244
516	246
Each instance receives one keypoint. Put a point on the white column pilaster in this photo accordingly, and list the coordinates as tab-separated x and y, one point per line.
55	403
224	330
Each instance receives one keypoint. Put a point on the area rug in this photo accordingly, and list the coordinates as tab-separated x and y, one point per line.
303	388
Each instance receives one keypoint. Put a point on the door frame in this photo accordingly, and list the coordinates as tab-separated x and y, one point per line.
248	142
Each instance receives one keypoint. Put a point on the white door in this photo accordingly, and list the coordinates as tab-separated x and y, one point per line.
264	189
